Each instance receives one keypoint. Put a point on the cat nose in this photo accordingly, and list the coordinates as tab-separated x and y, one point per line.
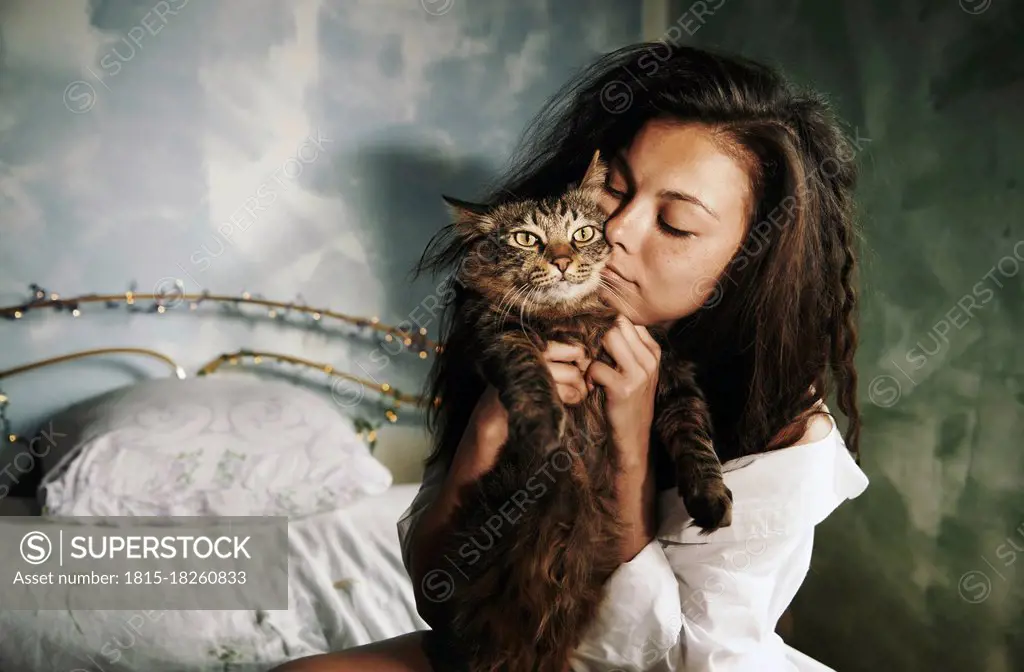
562	263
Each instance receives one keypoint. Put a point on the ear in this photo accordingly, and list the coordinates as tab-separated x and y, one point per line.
469	218
596	173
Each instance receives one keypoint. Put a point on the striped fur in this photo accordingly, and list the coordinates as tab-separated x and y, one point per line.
536	537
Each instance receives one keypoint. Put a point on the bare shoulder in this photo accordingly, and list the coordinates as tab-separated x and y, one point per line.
818	428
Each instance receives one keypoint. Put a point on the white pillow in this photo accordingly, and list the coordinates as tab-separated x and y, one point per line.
207	446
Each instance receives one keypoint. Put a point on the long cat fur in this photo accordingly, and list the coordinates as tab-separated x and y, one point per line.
536	537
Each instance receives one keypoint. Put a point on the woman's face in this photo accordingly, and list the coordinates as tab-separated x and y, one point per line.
678	207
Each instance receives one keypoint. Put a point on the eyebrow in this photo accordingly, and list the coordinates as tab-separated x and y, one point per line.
688	198
670	194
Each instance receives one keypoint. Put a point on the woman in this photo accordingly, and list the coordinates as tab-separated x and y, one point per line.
729	200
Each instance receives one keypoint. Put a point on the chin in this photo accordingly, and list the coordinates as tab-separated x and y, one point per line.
568	298
622	301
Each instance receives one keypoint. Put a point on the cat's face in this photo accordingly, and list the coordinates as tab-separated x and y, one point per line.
538	258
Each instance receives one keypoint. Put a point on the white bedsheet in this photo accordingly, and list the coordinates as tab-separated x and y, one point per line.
347	587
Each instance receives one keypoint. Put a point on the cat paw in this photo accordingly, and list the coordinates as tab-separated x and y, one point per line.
543	427
552	430
710	506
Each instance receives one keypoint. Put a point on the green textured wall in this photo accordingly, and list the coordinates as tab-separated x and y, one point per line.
926	570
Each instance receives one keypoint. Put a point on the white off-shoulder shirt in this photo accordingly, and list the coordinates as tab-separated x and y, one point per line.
711	603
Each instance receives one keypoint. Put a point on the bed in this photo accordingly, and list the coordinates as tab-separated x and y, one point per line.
347	584
348	587
241	442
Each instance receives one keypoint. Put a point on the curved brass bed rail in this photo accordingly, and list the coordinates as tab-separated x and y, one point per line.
385	389
417	338
5	424
178	371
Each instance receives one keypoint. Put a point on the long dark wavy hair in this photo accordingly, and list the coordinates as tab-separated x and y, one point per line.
783	315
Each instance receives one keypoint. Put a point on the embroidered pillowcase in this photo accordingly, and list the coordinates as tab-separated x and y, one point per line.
207	446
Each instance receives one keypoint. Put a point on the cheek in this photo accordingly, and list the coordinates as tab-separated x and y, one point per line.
593	254
678	284
533	268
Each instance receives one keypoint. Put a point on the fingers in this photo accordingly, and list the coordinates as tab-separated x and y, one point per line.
633	348
571	386
564	352
565	374
571	396
648	340
618	347
641	352
601	374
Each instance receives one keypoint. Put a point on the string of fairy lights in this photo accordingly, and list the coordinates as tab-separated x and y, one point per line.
245	305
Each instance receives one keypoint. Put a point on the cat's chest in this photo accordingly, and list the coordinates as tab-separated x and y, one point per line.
587	332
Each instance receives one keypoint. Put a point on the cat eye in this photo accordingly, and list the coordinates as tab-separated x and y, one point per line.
584	234
524	239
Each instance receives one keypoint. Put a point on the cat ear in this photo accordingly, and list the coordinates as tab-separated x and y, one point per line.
469	217
596	173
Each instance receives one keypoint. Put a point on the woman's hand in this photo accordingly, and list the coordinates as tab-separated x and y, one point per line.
629	388
487	429
567	364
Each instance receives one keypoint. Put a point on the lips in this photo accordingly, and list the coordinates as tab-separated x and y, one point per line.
618	275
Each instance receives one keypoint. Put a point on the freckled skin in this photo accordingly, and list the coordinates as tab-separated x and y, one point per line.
670	276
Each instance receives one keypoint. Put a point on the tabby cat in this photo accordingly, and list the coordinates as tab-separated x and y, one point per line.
538	535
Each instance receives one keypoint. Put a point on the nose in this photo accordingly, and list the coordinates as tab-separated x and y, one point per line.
623	229
560	255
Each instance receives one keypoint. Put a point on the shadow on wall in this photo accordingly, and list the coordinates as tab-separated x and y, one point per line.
397	186
391	189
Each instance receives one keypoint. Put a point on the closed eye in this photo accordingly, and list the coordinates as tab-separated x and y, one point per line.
673	231
613	191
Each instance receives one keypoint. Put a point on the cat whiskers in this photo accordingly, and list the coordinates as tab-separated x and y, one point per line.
501	304
617	293
506	312
520	297
522	309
